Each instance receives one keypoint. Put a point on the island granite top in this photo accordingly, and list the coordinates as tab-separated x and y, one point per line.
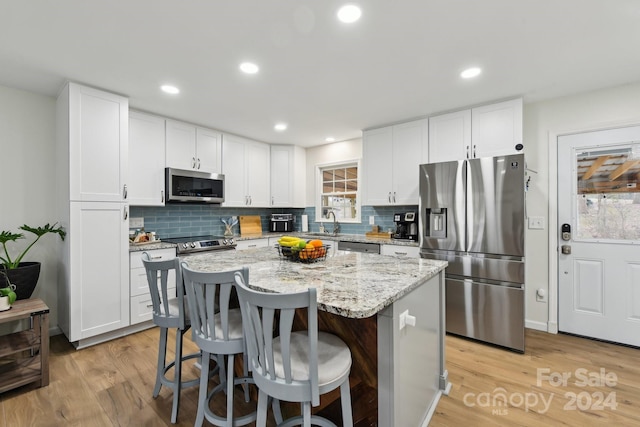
349	284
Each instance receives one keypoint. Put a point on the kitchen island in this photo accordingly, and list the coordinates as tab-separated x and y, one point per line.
390	311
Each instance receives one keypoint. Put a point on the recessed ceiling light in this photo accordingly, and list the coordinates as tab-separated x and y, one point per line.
170	89
470	73
349	13
330	139
249	68
280	127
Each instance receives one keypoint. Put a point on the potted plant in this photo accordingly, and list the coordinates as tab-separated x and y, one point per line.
24	275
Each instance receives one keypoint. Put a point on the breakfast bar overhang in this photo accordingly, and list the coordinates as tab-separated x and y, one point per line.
389	310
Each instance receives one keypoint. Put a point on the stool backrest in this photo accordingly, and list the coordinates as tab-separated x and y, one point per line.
210	295
270	315
160	277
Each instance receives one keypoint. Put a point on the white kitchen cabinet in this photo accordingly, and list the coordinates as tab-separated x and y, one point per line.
400	251
193	148
246	168
497	128
391	157
450	136
140	298
147	159
94	125
484	131
92	151
252	244
288	176
96	291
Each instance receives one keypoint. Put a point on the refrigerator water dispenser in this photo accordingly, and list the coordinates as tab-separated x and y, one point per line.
436	223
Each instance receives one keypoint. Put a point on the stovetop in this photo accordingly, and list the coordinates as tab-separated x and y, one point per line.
201	243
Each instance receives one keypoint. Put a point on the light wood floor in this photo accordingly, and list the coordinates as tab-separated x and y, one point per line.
111	385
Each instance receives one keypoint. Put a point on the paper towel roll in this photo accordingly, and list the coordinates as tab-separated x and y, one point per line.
305	222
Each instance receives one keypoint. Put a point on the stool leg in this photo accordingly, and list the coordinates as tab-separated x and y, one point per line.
230	372
275	407
177	377
202	393
306	414
345	401
263	402
162	351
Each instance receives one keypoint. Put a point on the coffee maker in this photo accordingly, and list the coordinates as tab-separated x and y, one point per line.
406	226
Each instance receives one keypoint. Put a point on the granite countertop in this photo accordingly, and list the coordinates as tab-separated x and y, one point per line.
150	246
326	236
349	284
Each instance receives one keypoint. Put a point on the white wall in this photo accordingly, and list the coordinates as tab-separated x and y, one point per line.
323	154
542	120
27	180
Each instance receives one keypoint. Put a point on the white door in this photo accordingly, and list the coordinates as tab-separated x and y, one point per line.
599	199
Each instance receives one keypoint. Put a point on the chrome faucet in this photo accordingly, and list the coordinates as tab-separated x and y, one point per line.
336	225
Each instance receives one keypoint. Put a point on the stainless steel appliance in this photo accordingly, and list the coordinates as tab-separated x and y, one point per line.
473	216
406	226
281	222
187	186
188	245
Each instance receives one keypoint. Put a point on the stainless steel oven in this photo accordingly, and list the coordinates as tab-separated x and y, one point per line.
190	245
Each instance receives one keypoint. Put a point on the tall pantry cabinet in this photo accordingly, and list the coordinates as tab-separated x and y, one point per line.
92	138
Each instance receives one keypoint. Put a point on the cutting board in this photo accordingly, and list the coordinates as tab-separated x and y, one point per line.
250	225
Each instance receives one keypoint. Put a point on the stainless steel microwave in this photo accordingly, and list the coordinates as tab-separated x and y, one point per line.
186	186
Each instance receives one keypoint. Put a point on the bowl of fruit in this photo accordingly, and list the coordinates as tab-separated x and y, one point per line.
301	250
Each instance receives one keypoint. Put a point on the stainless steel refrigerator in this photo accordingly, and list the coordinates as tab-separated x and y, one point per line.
472	214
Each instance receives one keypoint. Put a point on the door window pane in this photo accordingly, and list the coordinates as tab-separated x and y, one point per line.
608	194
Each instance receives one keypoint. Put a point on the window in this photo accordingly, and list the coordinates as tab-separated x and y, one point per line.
338	193
608	189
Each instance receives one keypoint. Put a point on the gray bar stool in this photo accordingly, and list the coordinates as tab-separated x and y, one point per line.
168	312
294	366
217	329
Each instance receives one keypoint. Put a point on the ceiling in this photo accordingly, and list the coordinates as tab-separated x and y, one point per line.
400	61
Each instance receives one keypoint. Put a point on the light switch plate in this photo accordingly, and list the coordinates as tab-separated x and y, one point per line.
536	223
371	220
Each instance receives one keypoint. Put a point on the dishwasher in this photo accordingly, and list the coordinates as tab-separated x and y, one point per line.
369	248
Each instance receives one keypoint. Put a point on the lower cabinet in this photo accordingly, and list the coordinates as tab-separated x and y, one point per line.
140	298
93	296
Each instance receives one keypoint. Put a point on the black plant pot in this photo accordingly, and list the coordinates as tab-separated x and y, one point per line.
25	277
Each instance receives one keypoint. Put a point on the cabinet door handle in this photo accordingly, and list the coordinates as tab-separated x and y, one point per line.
474	151
394	197
252	246
126	213
467	151
272	201
400	253
198	163
161	196
389	197
156	257
124	192
193	162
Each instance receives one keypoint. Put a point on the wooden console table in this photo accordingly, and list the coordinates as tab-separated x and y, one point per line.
24	355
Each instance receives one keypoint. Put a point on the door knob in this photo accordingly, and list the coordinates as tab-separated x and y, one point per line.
566	249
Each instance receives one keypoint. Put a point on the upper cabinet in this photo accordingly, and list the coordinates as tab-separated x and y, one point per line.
147	159
485	131
450	136
97	125
193	148
246	169
288	176
391	156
